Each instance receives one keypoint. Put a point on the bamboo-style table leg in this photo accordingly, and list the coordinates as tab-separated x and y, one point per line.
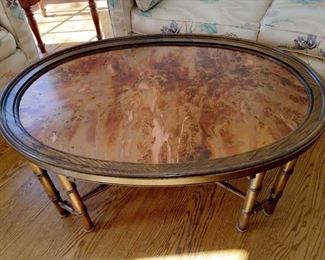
278	187
49	188
76	201
255	185
94	15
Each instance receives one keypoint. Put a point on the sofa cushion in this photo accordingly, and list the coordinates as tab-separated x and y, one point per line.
224	17
145	5
11	66
295	25
13	19
7	44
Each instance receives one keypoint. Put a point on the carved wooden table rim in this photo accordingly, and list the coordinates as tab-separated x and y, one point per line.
270	103
27	4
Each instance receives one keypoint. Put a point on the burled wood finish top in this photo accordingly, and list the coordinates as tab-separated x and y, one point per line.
164	104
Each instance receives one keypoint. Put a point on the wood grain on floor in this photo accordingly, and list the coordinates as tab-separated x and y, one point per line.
180	222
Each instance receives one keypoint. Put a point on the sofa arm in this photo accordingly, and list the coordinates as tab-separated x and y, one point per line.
13	20
120	14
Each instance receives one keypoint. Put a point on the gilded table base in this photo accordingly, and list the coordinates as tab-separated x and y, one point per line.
49	188
251	204
77	203
278	188
255	185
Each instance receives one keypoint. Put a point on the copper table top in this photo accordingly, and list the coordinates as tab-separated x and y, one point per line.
165	105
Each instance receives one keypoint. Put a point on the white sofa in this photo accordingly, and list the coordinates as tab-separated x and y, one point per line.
297	26
17	47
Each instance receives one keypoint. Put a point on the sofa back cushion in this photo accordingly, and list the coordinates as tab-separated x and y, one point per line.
145	5
296	26
237	18
12	18
7	44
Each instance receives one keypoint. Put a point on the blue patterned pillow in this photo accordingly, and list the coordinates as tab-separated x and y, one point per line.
145	5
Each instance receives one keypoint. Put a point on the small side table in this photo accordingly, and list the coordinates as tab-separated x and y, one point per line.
27	4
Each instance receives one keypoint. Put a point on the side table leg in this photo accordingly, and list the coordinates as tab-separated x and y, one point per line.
49	188
255	185
278	187
41	5
94	15
76	201
33	25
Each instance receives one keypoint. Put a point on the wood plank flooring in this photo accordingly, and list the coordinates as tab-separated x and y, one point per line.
194	222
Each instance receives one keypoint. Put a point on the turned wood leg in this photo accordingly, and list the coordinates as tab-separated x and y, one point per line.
278	187
255	185
94	15
49	188
33	25
41	5
76	201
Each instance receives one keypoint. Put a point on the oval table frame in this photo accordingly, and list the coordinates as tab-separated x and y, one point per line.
253	164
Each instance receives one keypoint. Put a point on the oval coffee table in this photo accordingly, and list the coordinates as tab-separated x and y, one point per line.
164	110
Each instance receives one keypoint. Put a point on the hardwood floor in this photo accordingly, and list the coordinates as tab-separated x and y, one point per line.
194	222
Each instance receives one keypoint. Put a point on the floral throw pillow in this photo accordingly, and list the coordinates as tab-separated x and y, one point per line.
145	5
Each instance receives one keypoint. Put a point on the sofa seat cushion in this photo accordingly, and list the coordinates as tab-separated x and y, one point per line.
224	17
7	44
11	66
295	25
